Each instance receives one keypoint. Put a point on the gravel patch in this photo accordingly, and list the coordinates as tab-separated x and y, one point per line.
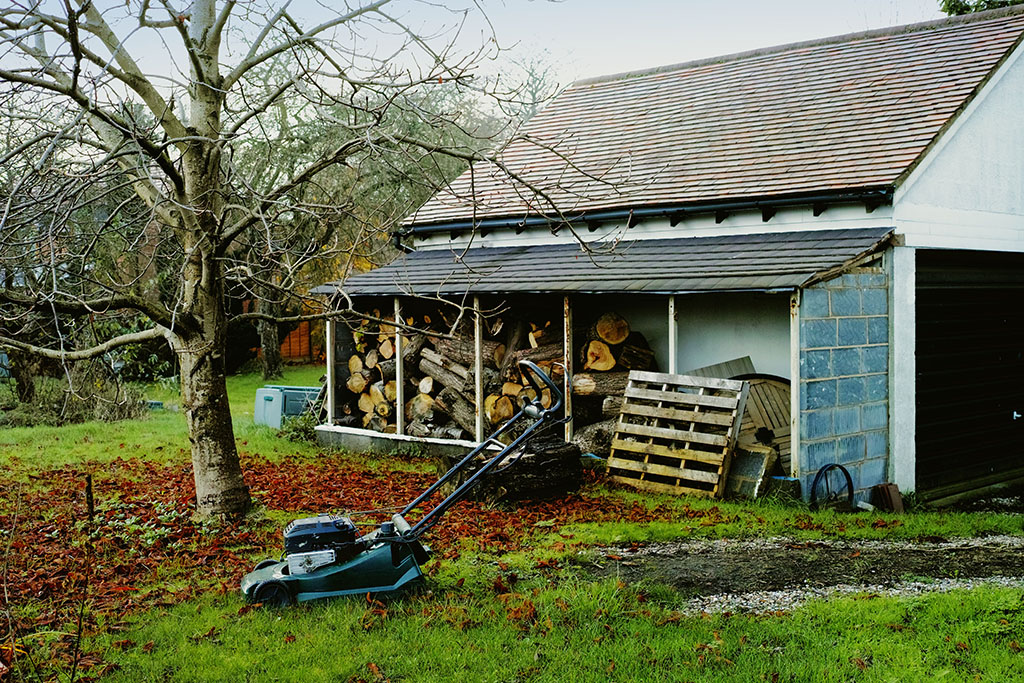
771	575
774	602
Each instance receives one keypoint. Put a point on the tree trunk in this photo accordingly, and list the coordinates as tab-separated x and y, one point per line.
220	489
24	368
270	341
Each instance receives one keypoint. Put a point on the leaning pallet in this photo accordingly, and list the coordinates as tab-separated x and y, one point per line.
676	433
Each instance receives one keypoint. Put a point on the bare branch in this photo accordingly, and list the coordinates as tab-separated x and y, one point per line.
92	352
253	59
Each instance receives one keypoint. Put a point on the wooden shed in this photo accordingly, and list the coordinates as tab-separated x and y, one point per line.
846	213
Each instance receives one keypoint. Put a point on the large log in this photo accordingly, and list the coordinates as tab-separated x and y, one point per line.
462	350
498	408
596	438
600	384
634	353
420	408
610	328
457	408
541	353
550	468
598	356
445	375
357	381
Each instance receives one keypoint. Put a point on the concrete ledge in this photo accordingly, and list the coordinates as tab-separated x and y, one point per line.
368	441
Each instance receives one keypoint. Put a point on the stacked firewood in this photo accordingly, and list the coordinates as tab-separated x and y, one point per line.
609	351
439	371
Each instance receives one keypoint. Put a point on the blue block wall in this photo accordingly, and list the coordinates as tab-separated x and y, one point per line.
844	377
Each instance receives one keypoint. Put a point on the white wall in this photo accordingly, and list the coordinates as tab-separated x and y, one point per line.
968	192
714	328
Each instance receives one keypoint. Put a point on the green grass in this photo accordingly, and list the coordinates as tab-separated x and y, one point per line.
556	627
161	435
578	631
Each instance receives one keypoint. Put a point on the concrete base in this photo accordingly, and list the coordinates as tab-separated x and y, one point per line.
367	441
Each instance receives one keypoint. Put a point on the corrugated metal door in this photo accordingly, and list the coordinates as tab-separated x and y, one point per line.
970	370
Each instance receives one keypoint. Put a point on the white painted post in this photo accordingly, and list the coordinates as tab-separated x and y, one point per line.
903	369
673	336
794	384
478	355
399	371
567	356
331	370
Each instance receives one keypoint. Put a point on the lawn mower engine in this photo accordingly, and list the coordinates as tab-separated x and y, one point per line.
313	542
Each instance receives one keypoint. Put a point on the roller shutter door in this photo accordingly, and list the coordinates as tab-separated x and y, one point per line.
970	370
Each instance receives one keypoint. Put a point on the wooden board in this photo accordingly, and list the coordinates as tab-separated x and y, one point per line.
766	419
751	466
676	433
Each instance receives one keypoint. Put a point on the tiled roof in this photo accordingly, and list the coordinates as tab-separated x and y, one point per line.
770	261
847	113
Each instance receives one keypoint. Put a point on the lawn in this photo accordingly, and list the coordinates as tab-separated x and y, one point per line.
145	592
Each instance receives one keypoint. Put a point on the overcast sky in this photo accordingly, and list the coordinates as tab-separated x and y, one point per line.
596	37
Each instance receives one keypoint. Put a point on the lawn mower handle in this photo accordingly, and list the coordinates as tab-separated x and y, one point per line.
533	409
532	373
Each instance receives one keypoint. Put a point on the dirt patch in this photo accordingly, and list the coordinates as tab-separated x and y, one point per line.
717	567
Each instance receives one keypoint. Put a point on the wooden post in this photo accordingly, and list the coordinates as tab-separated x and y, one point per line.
478	355
568	358
399	371
794	386
331	371
673	337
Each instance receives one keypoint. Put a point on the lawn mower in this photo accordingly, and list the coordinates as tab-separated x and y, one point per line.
326	557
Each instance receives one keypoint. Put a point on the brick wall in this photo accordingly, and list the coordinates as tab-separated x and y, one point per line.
844	376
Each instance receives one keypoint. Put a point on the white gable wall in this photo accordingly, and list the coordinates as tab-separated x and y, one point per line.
968	192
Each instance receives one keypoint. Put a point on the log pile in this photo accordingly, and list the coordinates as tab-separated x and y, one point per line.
439	371
609	349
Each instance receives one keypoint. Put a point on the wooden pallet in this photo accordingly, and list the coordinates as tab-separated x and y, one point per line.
676	433
768	408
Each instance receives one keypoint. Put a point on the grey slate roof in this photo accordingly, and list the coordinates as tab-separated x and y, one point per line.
851	113
761	262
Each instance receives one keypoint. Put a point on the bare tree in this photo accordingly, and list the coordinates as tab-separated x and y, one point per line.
141	172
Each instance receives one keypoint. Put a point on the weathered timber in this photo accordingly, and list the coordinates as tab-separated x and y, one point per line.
417	429
596	438
611	406
634	353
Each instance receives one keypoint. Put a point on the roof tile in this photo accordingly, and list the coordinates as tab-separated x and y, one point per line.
851	112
